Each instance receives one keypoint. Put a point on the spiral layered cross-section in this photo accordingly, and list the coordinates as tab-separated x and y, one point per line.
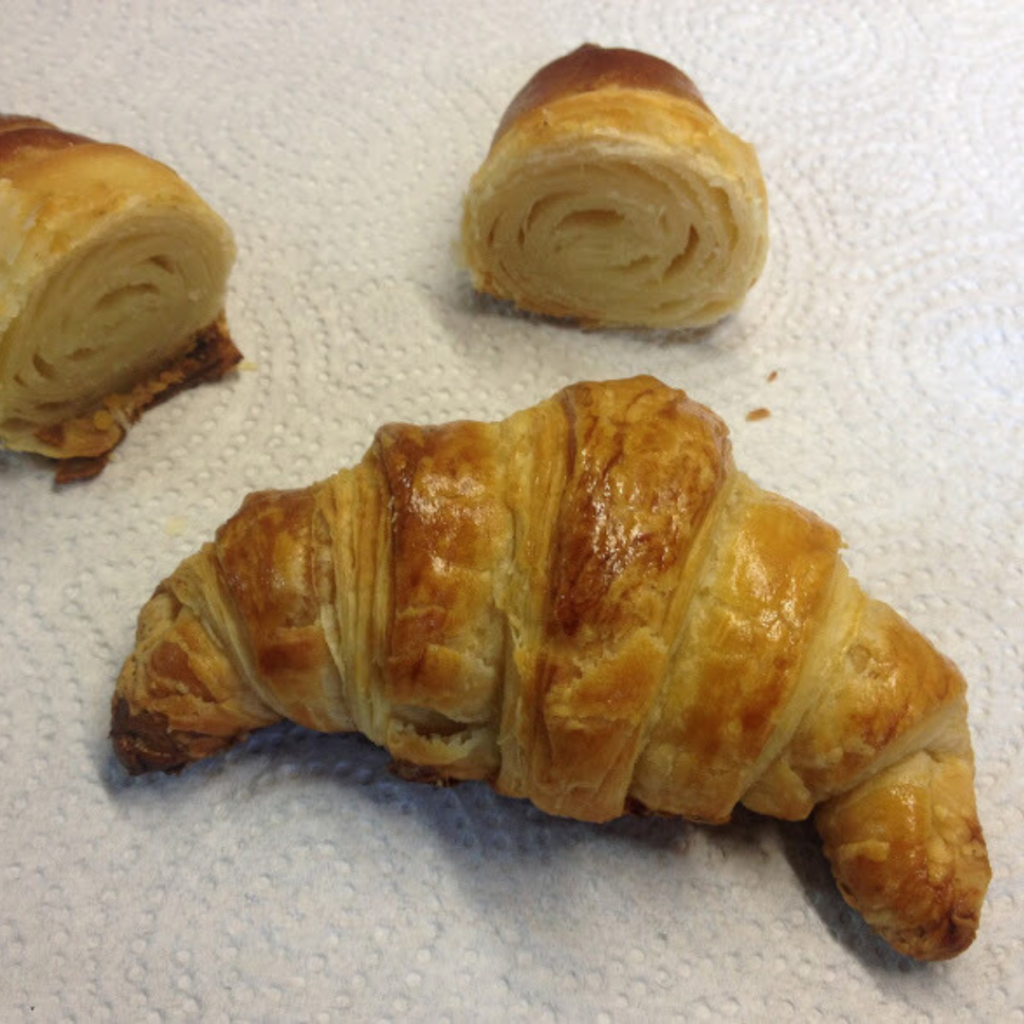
613	196
113	274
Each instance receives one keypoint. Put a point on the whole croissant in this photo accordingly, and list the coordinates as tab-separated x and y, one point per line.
586	605
112	281
613	196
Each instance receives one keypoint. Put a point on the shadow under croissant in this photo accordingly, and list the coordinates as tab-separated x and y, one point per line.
465	814
466	300
802	848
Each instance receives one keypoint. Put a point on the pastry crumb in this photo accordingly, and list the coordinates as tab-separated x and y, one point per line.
758	414
174	526
772	376
248	365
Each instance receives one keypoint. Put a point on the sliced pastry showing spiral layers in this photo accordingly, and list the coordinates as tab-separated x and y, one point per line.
613	196
586	605
113	274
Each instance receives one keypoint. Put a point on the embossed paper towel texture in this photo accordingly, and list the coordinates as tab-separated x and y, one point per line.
295	879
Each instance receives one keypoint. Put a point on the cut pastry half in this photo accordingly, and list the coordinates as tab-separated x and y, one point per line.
613	196
113	274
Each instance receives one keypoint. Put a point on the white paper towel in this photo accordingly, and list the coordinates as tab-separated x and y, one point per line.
295	879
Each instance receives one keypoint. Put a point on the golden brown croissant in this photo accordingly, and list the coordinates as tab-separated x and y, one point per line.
112	280
612	195
586	605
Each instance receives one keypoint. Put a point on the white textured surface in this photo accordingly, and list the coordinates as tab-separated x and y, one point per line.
296	879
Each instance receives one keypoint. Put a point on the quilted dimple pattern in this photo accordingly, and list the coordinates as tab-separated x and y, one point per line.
295	878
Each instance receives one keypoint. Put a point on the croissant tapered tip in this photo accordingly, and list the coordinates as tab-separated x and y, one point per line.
143	741
946	939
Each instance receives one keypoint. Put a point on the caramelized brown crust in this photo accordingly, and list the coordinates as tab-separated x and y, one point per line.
449	529
594	67
265	560
12	122
114	300
642	470
588	606
24	139
212	355
766	590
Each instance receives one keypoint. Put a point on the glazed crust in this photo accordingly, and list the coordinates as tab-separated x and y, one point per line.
613	196
591	68
111	293
588	606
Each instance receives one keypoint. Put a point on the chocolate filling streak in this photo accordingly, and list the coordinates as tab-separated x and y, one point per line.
210	357
144	743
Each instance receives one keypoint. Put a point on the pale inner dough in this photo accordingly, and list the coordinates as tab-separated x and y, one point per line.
618	207
113	311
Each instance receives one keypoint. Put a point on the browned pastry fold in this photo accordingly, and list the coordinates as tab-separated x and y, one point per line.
613	196
586	605
113	275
